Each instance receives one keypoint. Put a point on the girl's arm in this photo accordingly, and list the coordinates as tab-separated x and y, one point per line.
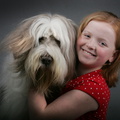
69	106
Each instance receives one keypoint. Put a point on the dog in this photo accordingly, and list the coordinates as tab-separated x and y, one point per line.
41	56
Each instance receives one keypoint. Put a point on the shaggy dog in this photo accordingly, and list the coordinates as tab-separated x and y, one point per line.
41	56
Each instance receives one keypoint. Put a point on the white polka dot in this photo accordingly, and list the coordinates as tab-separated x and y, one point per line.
98	97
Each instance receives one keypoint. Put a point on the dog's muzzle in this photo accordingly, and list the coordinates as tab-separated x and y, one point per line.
46	60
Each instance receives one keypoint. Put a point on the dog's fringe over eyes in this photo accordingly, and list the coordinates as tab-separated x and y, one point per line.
42	49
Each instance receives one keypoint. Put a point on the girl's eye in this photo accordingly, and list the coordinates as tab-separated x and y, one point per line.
103	44
87	36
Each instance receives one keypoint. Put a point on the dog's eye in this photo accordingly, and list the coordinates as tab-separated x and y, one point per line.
41	39
58	42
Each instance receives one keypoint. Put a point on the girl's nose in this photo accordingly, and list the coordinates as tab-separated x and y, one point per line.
91	44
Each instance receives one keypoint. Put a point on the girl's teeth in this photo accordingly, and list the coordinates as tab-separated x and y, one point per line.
88	53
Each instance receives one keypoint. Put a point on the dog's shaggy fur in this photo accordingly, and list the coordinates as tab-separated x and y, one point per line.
41	56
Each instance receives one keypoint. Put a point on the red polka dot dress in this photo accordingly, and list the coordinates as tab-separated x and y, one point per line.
95	85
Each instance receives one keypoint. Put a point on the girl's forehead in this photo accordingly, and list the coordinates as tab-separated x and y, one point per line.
99	24
100	27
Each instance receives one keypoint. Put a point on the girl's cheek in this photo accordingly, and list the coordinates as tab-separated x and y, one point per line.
79	40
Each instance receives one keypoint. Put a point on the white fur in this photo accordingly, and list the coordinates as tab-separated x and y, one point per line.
45	35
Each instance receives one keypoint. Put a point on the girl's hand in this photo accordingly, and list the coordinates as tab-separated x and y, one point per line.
37	104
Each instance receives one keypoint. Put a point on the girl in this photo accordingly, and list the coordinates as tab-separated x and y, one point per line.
87	96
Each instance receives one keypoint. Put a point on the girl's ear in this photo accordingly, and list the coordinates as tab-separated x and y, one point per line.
115	54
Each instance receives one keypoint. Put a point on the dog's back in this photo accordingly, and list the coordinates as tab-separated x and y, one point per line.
13	98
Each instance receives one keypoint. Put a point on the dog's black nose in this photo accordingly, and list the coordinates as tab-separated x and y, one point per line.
46	60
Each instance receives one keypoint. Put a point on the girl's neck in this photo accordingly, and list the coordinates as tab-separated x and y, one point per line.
81	70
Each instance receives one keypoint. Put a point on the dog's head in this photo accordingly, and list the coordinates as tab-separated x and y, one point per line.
44	49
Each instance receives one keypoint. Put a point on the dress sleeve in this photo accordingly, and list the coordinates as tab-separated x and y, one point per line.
99	91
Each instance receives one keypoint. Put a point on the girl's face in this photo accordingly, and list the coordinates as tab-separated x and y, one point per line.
96	45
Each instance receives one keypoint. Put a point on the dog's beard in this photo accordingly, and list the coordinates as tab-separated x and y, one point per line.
43	75
43	79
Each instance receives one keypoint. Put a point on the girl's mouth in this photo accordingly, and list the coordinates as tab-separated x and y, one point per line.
88	52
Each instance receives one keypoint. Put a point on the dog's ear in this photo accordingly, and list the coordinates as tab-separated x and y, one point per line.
20	41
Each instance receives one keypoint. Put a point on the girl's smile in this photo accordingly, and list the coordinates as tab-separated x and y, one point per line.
88	52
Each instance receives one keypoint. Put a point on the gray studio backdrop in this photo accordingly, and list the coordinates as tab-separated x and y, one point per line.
14	11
